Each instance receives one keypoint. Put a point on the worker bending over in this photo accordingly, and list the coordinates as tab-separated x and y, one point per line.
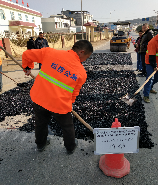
55	89
151	60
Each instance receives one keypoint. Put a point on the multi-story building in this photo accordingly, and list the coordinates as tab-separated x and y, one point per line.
72	21
58	23
19	19
77	15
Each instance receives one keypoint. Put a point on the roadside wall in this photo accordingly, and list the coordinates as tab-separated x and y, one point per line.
63	41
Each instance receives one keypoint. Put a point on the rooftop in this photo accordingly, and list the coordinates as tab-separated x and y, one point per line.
16	6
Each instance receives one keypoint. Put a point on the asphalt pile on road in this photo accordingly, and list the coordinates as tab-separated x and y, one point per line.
109	59
98	104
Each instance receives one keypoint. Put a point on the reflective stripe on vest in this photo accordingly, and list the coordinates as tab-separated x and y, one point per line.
56	82
156	53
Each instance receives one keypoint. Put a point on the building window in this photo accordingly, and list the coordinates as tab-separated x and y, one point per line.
2	16
19	16
26	18
85	17
12	16
33	19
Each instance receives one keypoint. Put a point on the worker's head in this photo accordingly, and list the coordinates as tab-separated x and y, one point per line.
140	33
83	48
41	35
145	27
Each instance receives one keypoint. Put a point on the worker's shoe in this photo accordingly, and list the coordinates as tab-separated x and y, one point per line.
146	99
69	152
153	91
41	148
142	74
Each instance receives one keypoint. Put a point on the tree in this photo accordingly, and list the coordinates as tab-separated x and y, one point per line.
151	26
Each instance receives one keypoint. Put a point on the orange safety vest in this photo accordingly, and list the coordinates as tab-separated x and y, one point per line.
152	49
0	61
59	80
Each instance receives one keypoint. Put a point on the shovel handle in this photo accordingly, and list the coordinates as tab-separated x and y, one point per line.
16	61
8	77
82	121
144	83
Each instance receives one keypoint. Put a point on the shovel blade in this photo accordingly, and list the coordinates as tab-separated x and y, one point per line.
126	98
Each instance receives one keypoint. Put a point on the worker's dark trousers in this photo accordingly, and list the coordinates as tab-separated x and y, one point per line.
42	118
143	63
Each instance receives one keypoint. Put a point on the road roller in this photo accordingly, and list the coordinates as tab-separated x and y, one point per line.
120	42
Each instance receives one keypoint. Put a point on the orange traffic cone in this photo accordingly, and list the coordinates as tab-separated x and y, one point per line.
114	165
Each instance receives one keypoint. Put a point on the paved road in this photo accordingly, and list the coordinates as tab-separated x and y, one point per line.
21	164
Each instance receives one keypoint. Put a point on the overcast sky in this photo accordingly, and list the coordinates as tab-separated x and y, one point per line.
100	9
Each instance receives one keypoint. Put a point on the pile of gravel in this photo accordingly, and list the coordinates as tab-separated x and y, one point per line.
109	59
98	104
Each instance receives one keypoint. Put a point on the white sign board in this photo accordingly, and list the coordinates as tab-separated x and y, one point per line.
116	140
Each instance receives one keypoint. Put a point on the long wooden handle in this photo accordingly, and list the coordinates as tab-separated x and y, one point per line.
82	121
144	83
8	77
16	61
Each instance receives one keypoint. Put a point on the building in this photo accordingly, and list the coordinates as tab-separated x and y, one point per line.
72	21
57	24
77	16
19	19
95	22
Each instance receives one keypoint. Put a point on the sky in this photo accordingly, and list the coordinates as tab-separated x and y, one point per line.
100	9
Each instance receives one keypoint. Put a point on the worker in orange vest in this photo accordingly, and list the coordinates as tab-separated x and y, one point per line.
151	60
0	75
55	88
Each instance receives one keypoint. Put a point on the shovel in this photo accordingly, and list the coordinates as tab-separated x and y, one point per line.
129	99
18	84
74	113
81	120
15	61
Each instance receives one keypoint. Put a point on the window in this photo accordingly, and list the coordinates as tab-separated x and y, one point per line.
19	16
12	16
85	17
26	18
2	16
33	19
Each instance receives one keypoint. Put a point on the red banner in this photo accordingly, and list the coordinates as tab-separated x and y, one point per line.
27	5
22	2
16	1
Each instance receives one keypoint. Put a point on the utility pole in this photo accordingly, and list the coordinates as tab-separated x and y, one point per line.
82	19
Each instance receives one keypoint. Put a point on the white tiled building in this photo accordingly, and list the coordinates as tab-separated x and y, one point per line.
19	19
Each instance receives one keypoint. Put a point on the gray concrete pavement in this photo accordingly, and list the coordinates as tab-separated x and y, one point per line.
21	164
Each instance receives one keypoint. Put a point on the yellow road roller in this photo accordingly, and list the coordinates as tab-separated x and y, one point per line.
120	42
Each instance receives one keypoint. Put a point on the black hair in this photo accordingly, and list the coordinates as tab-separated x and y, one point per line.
146	24
40	33
140	31
83	45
